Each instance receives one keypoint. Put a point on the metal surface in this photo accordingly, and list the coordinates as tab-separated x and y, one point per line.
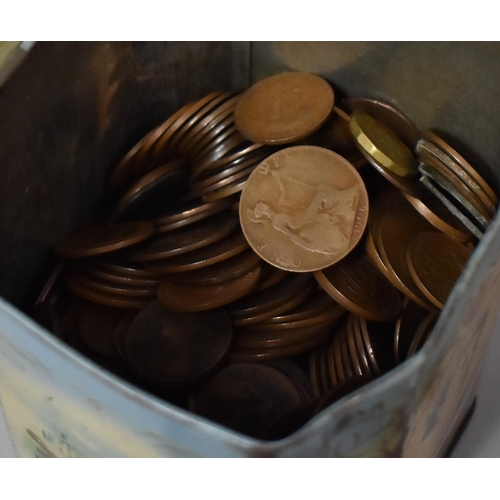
72	109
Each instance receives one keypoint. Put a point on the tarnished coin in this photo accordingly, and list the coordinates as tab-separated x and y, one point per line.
378	340
303	208
247	397
100	240
356	284
343	389
177	296
388	115
270	276
422	333
119	278
382	144
436	262
175	348
284	108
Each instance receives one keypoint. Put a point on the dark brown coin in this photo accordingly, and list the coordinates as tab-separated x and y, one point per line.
366	365
121	335
284	108
392	118
313	373
436	262
378	340
188	211
422	333
358	286
353	352
106	287
212	154
177	296
175	348
45	314
328	372
395	232
124	269
128	280
406	327
100	240
295	373
203	257
106	299
347	364
269	277
343	389
186	239
283	292
97	327
49	290
228	270
247	397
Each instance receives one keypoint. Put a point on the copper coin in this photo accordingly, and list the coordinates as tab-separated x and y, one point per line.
451	207
406	327
265	354
189	210
225	192
203	257
422	333
318	303
48	293
106	299
213	154
97	327
274	296
378	340
328	371
176	348
427	134
358	286
352	350
366	364
224	204
216	143
45	314
121	335
280	308
162	181
294	372
228	270
118	277
374	254
425	149
342	390
186	239
392	118
177	296
124	269
436	262
258	338
464	201
395	232
347	364
335	346
247	397
441	218
106	287
382	144
303	208
270	276
313	373
284	108
100	240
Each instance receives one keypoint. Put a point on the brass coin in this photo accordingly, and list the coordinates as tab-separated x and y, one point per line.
366	364
186	239
436	262
175	348
389	116
406	327
228	270
422	333
426	149
358	286
247	397
105	299
49	290
162	181
441	218
203	257
106	287
274	296
186	298
395	232
225	192
378	340
427	134
303	208
270	276
451	207
263	315
257	355
258	338
100	240
465	202
382	144
97	327
284	108
318	303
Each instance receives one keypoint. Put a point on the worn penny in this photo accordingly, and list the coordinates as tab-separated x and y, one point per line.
304	208
284	108
436	262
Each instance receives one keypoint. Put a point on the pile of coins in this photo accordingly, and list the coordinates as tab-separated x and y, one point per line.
254	268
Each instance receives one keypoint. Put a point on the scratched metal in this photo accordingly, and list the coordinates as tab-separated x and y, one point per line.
67	114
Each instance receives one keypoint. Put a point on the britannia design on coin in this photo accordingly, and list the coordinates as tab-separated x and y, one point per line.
304	208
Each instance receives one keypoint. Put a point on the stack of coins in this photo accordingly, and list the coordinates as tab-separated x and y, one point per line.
254	268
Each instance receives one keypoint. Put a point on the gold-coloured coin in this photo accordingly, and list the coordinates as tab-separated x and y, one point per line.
382	144
303	208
